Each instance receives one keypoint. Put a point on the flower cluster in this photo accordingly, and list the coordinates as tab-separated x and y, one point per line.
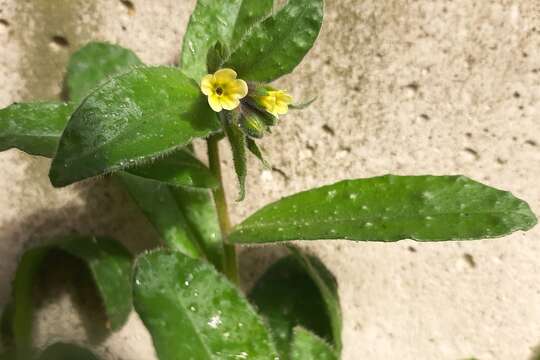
258	106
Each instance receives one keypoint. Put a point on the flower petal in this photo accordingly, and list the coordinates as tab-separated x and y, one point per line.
215	102
224	76
229	102
207	84
237	89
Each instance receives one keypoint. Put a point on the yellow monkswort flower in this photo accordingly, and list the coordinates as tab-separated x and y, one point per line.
223	89
276	102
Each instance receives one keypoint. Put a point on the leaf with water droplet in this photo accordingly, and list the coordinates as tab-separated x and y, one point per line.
287	296
160	103
390	208
109	264
275	46
185	326
224	21
308	346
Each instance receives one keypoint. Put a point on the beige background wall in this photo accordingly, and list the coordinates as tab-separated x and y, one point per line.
406	87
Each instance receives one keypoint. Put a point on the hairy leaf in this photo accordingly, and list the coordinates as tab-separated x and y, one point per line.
33	127
94	63
109	264
287	296
193	312
390	208
237	140
180	168
186	220
255	150
277	45
135	117
64	351
226	21
308	346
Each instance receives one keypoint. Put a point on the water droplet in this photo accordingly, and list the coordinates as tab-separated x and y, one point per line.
368	224
364	207
332	194
193	308
353	196
214	321
191	48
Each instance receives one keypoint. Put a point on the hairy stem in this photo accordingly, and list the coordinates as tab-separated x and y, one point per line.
230	267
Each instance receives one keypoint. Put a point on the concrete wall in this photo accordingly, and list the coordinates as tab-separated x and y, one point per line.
405	87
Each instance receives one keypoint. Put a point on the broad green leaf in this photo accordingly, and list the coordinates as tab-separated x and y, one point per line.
237	140
180	168
308	346
33	127
95	62
327	285
64	351
109	264
390	208
274	47
133	118
286	296
186	220
193	312
217	55
224	21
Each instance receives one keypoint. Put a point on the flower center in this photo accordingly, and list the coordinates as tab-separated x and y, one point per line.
219	90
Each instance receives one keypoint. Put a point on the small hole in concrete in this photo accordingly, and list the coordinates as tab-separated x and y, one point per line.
425	117
531	143
129	6
4	23
517	95
469	259
411	249
471	153
59	41
327	129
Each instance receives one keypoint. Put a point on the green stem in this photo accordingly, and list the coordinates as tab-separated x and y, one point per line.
230	267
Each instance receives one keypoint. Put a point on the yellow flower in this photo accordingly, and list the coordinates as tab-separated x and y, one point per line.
224	91
276	102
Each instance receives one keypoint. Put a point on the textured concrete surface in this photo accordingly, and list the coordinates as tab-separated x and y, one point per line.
406	87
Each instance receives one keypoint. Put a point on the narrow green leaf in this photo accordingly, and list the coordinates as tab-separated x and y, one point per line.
109	264
286	296
201	217
135	117
94	63
64	351
33	127
237	140
255	150
158	203
193	312
327	285
274	47
302	105
308	346
180	168
390	208
226	21
185	220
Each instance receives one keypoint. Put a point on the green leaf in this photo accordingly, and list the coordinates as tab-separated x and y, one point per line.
193	312
64	351
327	285
6	330
95	62
390	208
109	264
135	117
308	346
217	55
277	45
180	168
186	220
224	21
237	140
302	105
33	127
287	296
255	150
